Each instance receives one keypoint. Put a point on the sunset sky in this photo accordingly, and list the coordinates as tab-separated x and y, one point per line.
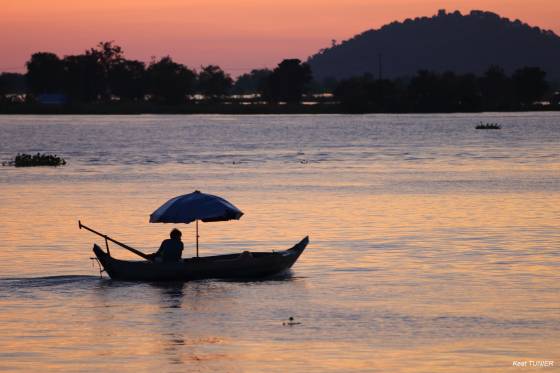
237	35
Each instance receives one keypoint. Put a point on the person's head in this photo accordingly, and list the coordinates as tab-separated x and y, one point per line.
175	234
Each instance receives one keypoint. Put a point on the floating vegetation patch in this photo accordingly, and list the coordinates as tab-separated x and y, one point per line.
28	160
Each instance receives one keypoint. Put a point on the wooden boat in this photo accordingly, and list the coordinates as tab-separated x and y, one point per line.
231	266
488	126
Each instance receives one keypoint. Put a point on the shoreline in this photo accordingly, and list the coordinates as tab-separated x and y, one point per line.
227	109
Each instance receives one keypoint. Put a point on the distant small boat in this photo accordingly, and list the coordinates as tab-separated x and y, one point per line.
231	266
488	126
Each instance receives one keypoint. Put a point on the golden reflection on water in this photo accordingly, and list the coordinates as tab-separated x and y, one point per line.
401	274
417	254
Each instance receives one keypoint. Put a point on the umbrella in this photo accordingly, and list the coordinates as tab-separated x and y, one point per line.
194	207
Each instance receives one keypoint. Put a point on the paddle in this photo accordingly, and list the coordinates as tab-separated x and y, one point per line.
107	238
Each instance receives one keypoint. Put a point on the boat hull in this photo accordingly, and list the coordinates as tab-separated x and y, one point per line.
232	266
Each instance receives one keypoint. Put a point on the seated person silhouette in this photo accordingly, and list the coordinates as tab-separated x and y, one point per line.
170	249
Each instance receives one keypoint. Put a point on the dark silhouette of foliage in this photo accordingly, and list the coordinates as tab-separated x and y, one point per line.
496	89
366	94
127	79
386	95
530	85
84	78
466	94
102	73
253	82
423	91
428	91
45	73
120	77
12	83
466	43
169	82
448	92
213	82
328	84
288	81
107	55
353	94
39	159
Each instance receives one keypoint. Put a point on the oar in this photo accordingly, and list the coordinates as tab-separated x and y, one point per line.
137	252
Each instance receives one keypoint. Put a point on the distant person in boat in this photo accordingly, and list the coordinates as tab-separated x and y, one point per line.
170	249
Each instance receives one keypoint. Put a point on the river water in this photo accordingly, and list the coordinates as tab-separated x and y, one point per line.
434	247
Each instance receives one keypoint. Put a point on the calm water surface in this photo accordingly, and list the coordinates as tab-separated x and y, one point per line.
434	247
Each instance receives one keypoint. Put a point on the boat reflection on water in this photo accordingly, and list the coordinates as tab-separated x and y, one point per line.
172	336
171	293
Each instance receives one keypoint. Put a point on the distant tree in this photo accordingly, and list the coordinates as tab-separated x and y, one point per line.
253	82
213	82
385	95
468	97
127	79
366	94
447	92
455	92
45	73
424	92
530	84
353	94
496	89
84	78
288	81
169	82
329	84
12	83
107	55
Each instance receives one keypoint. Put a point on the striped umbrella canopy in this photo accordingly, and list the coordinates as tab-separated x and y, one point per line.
194	207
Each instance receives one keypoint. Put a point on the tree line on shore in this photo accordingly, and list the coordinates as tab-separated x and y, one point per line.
103	75
448	92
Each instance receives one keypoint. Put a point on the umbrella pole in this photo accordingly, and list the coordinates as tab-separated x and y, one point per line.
197	238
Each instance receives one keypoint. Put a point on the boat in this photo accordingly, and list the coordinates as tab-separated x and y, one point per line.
188	208
245	265
488	126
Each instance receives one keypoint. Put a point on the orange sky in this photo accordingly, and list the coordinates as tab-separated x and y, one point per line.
237	35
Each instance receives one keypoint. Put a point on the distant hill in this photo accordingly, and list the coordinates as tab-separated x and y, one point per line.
446	41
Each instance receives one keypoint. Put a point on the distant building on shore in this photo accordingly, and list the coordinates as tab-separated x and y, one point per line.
52	99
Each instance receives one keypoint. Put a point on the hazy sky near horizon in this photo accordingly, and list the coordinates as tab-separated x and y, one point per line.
237	35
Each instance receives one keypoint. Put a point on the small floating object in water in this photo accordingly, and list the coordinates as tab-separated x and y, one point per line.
488	126
290	322
28	160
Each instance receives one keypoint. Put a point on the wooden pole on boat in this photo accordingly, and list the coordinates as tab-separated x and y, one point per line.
107	238
197	236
